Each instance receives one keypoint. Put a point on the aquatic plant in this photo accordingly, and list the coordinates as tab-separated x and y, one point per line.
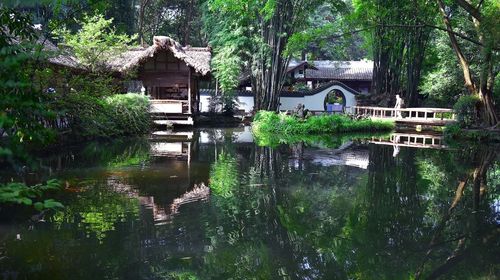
20	193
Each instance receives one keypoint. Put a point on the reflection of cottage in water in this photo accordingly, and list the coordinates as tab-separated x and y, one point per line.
162	215
165	183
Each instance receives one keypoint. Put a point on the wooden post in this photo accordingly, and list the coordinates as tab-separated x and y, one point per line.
189	92
198	98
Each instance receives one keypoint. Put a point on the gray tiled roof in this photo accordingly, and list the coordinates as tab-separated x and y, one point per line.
341	70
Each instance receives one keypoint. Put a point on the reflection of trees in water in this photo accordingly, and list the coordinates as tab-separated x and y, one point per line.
465	237
392	218
384	225
331	223
424	213
268	163
264	236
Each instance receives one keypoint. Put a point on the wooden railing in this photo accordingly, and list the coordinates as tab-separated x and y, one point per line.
170	106
429	115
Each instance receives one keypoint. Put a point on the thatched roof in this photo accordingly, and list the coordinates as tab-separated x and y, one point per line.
198	58
53	55
59	58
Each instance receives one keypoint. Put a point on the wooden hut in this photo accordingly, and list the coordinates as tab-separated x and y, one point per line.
170	74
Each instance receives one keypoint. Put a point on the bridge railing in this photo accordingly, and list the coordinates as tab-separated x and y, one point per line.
407	113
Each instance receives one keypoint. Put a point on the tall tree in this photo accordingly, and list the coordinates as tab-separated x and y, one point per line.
258	32
179	19
483	16
95	42
399	39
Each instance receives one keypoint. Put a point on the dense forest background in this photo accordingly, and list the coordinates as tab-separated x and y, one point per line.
431	52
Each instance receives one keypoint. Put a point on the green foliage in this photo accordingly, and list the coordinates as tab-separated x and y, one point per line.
282	124
457	132
452	130
95	42
184	275
115	115
224	175
442	79
22	106
332	98
227	67
314	140
225	103
252	36
130	113
328	35
20	193
119	153
397	44
98	210
466	110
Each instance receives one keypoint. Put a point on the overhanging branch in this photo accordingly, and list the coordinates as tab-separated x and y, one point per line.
423	25
438	28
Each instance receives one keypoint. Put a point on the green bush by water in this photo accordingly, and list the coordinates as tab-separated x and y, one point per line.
285	125
116	115
466	111
130	113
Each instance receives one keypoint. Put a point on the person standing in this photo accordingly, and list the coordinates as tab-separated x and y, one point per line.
399	103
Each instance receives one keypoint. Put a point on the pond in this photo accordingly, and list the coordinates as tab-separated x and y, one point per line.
211	204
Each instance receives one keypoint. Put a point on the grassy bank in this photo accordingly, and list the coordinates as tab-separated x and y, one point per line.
286	126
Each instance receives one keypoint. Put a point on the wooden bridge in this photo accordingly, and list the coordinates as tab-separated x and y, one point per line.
412	116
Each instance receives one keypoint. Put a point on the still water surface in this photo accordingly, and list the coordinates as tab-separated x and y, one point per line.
211	204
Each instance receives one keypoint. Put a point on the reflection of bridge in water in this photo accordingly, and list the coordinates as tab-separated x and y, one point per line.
412	140
350	154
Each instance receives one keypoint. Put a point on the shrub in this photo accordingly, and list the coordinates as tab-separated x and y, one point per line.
225	103
452	130
466	110
129	113
285	125
116	115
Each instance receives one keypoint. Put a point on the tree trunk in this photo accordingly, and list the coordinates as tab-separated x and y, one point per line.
269	73
140	29
189	15
487	77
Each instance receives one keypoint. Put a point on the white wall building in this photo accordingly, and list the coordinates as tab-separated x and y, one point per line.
313	100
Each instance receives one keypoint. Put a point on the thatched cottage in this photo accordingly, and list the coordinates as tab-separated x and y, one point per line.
170	74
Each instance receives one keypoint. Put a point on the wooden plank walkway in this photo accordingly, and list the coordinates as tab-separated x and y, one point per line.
413	116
